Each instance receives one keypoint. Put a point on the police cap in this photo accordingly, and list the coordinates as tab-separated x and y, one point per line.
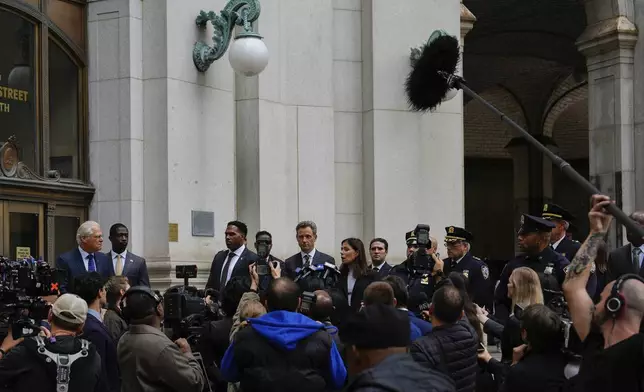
410	238
455	234
533	224
555	212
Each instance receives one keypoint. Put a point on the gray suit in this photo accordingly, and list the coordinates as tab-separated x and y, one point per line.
134	268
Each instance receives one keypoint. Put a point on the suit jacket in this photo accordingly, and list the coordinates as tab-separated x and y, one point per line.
568	248
134	268
96	332
383	272
294	262
620	262
358	289
71	265
241	267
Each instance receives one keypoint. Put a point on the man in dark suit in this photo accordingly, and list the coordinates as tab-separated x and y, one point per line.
126	263
306	233
86	258
378	249
629	258
559	240
460	259
263	246
91	287
234	261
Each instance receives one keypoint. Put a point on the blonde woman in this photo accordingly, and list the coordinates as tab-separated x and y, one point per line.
524	289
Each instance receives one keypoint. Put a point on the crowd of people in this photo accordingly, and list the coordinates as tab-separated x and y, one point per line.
567	317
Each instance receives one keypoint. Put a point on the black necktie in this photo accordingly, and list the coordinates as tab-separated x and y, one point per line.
307	260
224	273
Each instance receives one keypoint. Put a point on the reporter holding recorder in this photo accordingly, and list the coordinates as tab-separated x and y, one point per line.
614	355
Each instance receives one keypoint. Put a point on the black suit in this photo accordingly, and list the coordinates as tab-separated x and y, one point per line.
620	262
294	262
241	267
383	272
358	289
568	248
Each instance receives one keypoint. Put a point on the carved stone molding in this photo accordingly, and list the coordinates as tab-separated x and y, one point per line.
12	167
608	35
467	21
51	234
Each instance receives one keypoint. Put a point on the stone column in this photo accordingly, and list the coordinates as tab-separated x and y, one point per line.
116	116
284	147
413	163
608	43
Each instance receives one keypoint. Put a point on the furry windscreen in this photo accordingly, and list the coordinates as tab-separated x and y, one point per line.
425	87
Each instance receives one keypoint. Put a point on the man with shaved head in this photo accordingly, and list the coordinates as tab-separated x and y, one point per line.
284	350
628	259
382	293
614	360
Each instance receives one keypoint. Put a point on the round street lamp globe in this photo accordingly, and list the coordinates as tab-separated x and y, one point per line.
248	55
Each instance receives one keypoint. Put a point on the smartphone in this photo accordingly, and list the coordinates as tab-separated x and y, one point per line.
262	269
481	348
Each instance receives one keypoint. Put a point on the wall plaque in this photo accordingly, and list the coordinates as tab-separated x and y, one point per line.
173	232
203	224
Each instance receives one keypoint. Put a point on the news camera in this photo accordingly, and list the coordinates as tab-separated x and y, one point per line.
421	262
22	284
185	308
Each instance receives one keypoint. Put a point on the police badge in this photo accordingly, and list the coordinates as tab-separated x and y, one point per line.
424	279
485	271
466	273
548	270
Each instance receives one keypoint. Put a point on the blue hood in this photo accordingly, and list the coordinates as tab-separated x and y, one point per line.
285	328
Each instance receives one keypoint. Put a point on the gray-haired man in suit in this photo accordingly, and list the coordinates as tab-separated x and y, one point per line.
306	233
124	262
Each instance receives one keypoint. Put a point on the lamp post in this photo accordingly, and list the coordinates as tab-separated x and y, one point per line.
248	54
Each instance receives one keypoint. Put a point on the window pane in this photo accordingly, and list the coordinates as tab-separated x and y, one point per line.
63	113
33	3
23	233
69	17
65	228
18	101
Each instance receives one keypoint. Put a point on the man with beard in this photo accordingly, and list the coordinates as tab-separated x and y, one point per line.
614	357
233	261
534	241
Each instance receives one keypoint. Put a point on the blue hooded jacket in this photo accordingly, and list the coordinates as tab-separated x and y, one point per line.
286	329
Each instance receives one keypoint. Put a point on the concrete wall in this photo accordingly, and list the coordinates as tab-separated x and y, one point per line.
322	134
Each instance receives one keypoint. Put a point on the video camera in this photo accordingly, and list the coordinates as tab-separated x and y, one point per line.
422	263
571	342
22	284
185	308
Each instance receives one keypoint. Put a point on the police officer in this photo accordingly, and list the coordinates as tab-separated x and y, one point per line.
558	237
420	284
457	242
534	241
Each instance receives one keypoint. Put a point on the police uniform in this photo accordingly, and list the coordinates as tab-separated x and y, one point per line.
420	286
567	247
473	268
549	264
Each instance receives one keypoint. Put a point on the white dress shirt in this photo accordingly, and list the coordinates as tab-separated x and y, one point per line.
555	244
114	259
351	282
641	254
311	254
237	254
84	255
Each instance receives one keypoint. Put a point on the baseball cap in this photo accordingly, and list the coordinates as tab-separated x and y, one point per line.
70	308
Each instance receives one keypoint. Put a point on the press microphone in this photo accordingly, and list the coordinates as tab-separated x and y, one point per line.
423	302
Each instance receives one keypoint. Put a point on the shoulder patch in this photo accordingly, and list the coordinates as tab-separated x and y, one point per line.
485	271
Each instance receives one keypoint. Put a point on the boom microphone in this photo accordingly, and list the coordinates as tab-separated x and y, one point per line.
433	75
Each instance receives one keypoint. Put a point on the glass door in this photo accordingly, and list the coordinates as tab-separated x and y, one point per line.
66	222
22	232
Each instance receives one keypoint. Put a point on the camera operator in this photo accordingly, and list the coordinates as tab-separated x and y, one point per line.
24	369
284	350
215	336
419	271
538	364
149	360
614	356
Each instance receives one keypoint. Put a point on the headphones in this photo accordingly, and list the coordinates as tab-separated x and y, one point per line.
616	302
143	290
